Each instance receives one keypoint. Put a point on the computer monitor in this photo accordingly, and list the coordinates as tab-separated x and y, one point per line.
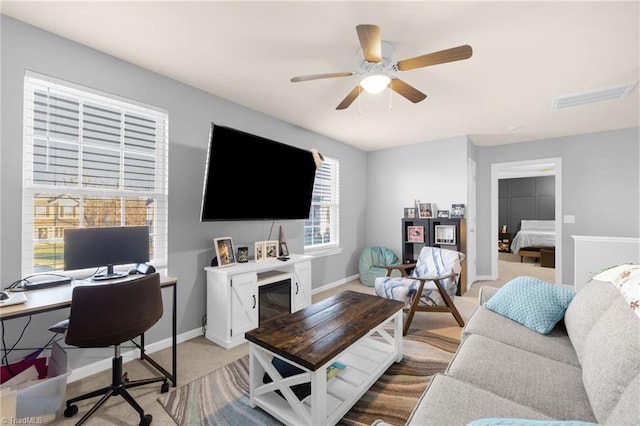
96	247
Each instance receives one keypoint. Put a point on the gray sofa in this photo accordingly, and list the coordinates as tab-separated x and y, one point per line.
586	369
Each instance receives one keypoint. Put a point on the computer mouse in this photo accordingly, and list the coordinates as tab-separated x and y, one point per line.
133	271
4	295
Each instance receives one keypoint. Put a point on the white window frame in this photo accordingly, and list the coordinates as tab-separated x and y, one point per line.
333	205
34	81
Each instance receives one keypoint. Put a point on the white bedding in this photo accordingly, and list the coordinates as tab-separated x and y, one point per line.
534	233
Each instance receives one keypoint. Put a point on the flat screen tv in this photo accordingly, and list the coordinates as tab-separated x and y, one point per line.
248	177
105	247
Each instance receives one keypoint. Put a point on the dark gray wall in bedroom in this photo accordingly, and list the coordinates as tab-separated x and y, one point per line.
530	198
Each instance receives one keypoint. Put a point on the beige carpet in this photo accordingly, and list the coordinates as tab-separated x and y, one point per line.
199	356
509	267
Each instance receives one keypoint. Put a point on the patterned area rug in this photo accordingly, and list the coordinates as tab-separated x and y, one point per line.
222	396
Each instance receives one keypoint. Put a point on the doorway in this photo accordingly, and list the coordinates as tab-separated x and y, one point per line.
519	169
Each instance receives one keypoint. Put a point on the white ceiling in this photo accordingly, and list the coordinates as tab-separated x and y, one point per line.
524	54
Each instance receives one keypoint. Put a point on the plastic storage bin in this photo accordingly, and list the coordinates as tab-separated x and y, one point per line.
42	398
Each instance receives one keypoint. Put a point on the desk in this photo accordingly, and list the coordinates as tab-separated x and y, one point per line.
54	298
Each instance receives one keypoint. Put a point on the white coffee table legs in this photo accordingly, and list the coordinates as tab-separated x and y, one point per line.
365	361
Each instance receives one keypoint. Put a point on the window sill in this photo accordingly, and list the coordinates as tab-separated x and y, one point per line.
323	252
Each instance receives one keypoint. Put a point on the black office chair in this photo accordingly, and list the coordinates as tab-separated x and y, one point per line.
107	315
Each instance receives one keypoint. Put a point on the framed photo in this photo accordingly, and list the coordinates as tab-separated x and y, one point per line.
271	249
409	213
425	210
445	234
243	254
259	250
457	210
415	234
224	251
443	214
284	251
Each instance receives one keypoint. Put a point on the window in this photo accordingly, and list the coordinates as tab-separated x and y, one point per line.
321	230
90	160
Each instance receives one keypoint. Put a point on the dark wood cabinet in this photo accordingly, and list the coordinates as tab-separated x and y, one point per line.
449	233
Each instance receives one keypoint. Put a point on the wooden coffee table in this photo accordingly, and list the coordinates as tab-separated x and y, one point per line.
351	328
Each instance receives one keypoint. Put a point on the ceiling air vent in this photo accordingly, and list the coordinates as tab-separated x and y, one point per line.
597	95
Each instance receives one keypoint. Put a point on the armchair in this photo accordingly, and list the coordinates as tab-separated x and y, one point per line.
430	287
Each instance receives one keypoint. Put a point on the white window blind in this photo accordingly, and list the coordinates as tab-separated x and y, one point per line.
90	160
321	230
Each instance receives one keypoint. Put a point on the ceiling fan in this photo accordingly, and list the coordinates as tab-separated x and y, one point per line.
378	72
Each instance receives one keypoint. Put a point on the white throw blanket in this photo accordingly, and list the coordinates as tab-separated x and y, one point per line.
432	262
534	233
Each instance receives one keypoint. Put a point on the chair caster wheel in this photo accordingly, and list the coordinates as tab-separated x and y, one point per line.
164	388
146	420
71	411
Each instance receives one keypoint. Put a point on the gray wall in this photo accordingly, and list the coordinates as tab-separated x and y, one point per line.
434	172
190	112
600	187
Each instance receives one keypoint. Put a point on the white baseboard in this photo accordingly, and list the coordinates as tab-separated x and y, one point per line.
484	278
105	364
334	284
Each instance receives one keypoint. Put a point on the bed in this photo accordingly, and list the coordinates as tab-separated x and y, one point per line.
533	236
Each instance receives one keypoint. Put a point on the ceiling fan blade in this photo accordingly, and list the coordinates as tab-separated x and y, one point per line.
350	98
319	76
370	41
441	57
406	90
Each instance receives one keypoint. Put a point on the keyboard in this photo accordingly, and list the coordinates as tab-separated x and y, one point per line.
37	285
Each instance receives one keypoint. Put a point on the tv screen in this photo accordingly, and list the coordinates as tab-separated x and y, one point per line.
104	247
249	177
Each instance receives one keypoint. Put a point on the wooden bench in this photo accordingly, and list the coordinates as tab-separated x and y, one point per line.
529	252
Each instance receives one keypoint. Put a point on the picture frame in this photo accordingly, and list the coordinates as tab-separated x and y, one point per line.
271	249
443	214
284	250
224	251
259	251
425	210
243	254
409	213
415	234
457	211
445	234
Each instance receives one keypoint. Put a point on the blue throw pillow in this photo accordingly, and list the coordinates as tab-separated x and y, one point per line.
531	302
527	422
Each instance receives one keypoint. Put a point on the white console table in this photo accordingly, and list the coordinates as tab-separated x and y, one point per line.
233	295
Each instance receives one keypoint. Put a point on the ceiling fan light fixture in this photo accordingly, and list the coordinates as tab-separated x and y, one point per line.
375	83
